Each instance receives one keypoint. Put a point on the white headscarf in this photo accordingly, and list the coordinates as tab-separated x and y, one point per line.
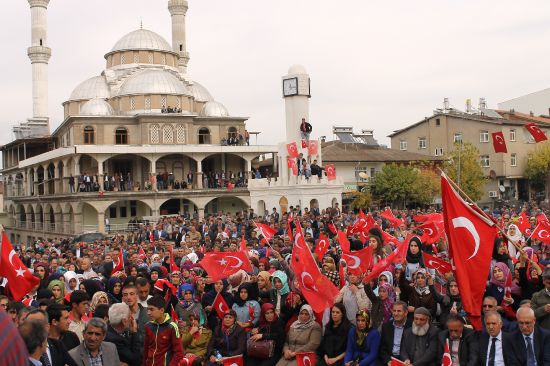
304	325
69	275
517	237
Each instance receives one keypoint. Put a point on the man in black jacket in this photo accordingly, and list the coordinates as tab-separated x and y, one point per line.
462	342
530	345
122	331
492	344
392	333
305	129
419	342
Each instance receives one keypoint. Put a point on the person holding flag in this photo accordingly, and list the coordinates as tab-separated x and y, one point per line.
228	339
462	342
219	289
353	296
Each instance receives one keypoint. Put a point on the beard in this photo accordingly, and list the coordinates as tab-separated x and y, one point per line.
420	330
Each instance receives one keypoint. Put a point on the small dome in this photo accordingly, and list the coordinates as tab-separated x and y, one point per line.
142	39
214	109
200	93
96	107
297	70
95	87
153	82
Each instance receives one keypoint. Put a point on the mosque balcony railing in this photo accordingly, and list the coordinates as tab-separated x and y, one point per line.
49	227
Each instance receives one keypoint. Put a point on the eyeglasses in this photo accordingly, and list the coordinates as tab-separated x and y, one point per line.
488	306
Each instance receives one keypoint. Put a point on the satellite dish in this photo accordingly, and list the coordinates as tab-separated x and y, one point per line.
364	175
501	188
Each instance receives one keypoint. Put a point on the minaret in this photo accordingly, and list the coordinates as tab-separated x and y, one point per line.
39	54
296	91
178	9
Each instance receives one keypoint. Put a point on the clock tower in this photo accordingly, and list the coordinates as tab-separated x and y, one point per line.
296	91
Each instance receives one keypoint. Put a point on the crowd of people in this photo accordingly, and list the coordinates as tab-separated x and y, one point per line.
154	312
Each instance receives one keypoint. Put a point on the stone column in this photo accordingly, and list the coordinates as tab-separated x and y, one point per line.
101	222
77	223
198	175
29	220
58	183
100	174
58	221
67	224
201	212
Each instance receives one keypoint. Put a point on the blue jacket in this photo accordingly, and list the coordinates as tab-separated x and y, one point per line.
368	353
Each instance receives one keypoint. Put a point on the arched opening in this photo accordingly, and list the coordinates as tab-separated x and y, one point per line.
89	135
89	219
68	220
40	180
204	135
314	206
126	214
51	181
220	169
22	217
178	206
261	207
225	204
172	171
125	172
50	219
121	136
334	202
283	204
19	184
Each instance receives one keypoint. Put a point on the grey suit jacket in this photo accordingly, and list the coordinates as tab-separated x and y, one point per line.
108	350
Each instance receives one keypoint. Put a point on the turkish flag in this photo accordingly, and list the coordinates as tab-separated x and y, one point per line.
151	237
431	233
395	362
542	232
471	237
292	150
173	265
313	147
431	261
332	227
343	240
220	305
233	361
396	256
291	164
266	231
119	265
305	359
330	171
536	132
358	262
243	246
142	254
446	360
230	186
388	215
387	238
498	142
20	280
541	218
437	217
318	290
173	314
363	223
322	246
220	265
523	223
304	144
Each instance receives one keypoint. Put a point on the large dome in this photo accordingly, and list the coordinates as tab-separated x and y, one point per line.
95	87
142	39
200	93
96	107
153	82
214	109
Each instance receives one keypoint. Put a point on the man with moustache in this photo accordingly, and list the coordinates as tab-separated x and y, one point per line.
419	343
491	349
392	333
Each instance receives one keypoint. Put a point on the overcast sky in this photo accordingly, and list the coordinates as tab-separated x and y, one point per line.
373	64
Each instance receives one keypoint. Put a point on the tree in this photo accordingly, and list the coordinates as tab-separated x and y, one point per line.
538	165
462	166
426	187
361	199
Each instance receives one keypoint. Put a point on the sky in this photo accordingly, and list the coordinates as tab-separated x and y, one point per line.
378	65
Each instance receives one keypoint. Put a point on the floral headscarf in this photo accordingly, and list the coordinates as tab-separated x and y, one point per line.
388	303
304	325
362	334
95	299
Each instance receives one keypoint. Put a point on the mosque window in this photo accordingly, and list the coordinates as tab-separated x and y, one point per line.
148	103
180	134
163	101
154	134
136	57
122	59
121	136
167	134
204	135
89	135
150	57
132	104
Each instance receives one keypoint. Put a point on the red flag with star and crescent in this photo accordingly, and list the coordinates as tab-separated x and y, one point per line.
358	262
233	361
536	132
398	255
305	359
330	170
141	253
343	240
471	238
542	232
388	215
220	305
291	163
267	231
436	217
498	142
523	223
292	150
446	360
430	232
20	280
433	262
119	265
313	147
220	265
322	246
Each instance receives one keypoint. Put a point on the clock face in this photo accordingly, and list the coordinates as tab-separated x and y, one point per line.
290	87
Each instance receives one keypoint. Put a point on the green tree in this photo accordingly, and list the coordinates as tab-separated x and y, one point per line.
462	166
361	199
395	183
538	165
426	187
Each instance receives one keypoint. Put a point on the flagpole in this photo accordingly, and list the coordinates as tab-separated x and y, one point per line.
501	230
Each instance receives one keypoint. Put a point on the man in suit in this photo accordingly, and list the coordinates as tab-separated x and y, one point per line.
34	335
530	344
462	342
492	351
93	350
392	332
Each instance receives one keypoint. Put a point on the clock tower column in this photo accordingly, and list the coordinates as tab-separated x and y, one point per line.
296	91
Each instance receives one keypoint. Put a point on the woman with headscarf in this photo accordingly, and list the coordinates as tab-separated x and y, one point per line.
57	287
91	286
420	293
264	286
381	311
99	298
363	342
452	303
414	257
195	338
329	270
247	309
228	339
188	306
219	287
269	328
42	270
279	293
71	281
114	290
353	296
514	233
499	287
304	336
335	338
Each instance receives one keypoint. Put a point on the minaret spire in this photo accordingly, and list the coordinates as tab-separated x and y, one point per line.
39	54
178	10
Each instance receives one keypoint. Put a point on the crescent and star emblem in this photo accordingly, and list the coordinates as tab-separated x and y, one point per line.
303	276
429	231
239	263
499	139
12	253
468	225
546	235
356	261
307	361
220	307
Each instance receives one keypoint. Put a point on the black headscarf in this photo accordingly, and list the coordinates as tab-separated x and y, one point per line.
415	258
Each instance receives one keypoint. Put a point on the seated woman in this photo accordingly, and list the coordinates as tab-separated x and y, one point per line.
220	287
247	309
195	339
228	339
335	339
270	328
363	342
304	336
188	306
264	285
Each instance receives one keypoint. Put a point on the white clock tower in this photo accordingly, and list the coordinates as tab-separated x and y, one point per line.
296	91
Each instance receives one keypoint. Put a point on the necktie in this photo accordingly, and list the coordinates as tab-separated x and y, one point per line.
530	354
492	352
45	360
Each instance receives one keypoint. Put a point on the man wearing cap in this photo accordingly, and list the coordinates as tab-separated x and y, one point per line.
419	343
540	302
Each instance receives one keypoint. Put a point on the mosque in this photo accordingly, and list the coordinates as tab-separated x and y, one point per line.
142	140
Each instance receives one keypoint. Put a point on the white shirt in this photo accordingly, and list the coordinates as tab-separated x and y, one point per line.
499	358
